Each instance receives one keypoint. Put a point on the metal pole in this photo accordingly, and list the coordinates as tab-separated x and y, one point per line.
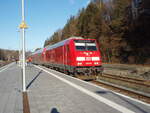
21	49
23	26
23	54
23	10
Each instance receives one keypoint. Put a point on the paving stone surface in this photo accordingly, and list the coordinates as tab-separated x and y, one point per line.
48	94
10	90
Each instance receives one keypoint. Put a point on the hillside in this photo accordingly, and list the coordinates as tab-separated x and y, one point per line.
123	38
8	55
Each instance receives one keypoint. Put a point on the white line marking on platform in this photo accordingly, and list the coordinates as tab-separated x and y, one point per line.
6	67
97	97
133	99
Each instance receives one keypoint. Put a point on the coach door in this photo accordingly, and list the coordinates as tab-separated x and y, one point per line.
67	57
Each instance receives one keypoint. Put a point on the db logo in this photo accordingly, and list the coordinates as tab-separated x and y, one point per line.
88	58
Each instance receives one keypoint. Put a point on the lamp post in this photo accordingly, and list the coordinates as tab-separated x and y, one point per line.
23	26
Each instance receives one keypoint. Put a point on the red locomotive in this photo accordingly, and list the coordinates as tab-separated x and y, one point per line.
73	55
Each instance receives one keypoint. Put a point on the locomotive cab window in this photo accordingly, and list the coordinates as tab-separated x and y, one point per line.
91	46
80	46
85	45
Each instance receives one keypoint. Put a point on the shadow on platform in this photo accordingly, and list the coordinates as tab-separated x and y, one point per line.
102	92
54	110
27	87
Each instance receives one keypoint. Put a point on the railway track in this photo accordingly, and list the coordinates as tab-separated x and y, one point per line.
121	89
136	81
130	93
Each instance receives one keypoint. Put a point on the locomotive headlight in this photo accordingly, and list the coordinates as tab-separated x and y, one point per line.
80	58
96	62
79	63
95	58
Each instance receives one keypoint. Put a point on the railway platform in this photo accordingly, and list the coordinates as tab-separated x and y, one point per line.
50	91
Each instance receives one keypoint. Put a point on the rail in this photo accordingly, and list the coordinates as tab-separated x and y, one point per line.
128	79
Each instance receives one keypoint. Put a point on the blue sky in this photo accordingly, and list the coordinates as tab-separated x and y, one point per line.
43	17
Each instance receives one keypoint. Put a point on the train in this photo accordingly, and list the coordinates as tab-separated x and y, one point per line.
74	55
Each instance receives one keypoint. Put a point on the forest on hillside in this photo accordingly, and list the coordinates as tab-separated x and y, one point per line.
8	55
122	31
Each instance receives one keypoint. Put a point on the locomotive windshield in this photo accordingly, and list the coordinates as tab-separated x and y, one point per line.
85	45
